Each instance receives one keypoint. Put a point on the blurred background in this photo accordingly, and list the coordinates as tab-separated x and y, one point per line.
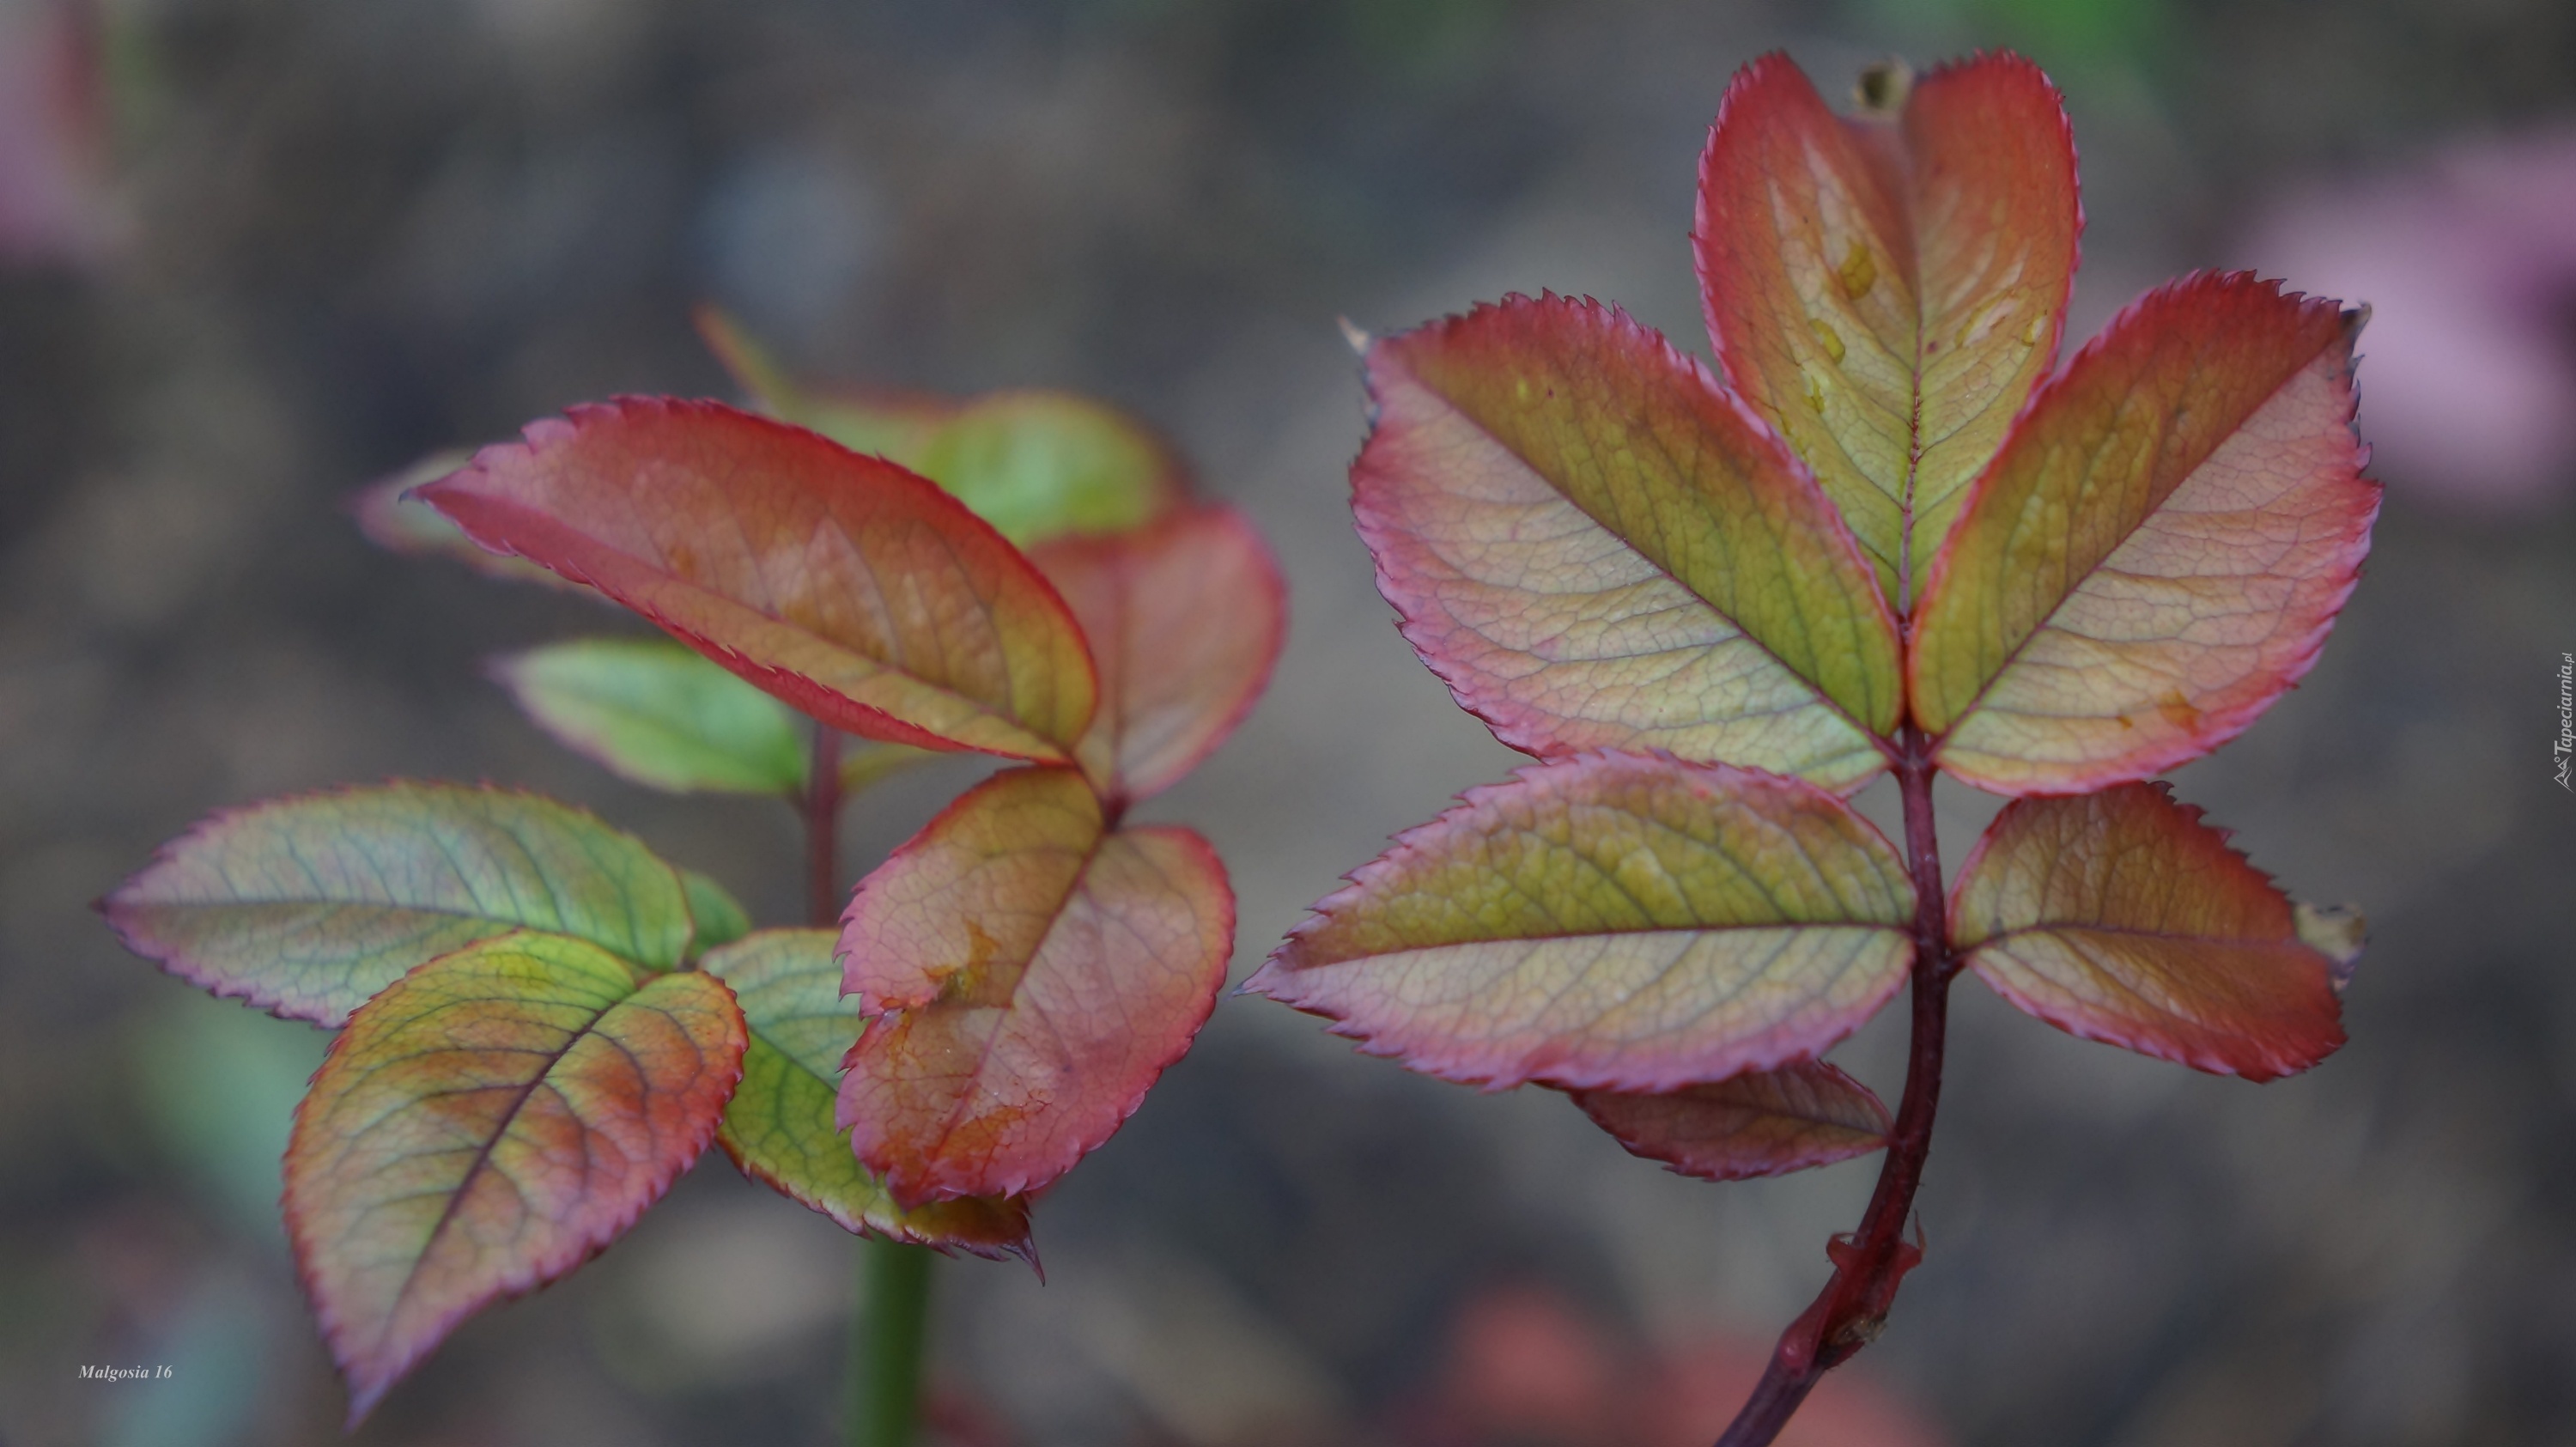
254	253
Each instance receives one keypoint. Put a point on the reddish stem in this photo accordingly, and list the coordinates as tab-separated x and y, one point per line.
822	809
1869	1262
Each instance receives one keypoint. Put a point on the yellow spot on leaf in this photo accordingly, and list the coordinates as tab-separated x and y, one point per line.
2178	711
1832	339
1858	271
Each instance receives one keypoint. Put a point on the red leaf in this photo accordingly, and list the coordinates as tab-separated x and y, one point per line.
1764	1123
854	590
2120	917
1030	975
1185	617
2159	550
394	518
1888	288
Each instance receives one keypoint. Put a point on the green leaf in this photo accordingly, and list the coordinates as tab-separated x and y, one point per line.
307	906
659	714
1034	464
779	1129
1038	465
487	1124
720	917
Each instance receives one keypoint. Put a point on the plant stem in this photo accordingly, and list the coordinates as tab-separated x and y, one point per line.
1869	1262
887	1340
894	1306
822	808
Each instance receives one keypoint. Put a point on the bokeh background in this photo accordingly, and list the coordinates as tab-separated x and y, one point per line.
254	253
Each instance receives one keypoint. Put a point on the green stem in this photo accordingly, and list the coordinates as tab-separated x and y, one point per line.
886	1342
886	1349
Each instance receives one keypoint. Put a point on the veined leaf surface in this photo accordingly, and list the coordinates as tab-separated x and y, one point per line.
1597	547
778	1126
1034	464
1764	1123
1028	975
307	906
856	591
1185	618
2160	549
1888	288
2120	917
659	714
1610	922
485	1125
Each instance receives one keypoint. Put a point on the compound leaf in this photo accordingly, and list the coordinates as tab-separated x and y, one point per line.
659	714
1764	1123
2120	917
1034	464
2159	550
485	1125
1185	617
307	906
1028	974
1888	288
1610	922
1595	546
856	591
778	1127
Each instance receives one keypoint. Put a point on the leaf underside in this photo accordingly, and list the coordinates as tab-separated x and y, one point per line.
1612	922
1028	974
1597	547
1765	1123
485	1125
778	1127
2119	916
307	906
854	590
